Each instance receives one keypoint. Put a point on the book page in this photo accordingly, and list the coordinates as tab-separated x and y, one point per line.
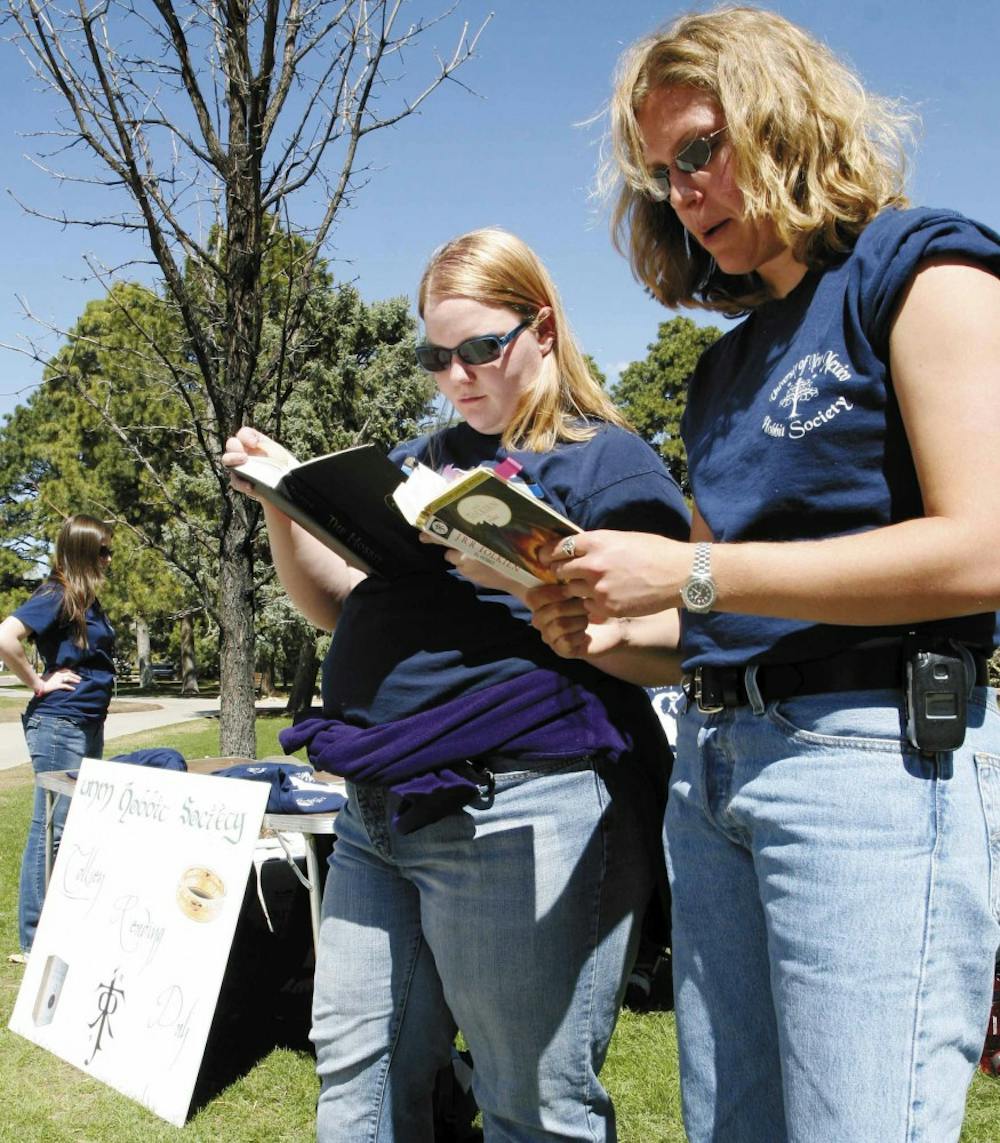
422	485
262	470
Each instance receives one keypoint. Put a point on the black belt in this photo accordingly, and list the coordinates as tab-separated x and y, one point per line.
713	689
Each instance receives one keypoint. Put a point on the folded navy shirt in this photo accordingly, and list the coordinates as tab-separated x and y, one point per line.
293	789
159	757
162	757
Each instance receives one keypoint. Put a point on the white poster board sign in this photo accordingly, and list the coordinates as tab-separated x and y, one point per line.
133	941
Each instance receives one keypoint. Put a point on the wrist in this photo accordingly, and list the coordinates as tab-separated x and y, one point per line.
39	688
624	632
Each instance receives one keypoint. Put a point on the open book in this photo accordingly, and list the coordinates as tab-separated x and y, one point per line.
495	520
369	511
345	500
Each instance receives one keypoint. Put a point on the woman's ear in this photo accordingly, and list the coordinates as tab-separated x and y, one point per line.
545	329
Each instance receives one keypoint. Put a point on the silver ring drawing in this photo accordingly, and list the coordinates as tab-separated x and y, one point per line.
568	547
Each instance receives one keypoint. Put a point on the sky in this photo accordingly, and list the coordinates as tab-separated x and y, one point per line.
510	146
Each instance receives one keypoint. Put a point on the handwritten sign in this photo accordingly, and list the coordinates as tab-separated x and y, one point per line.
133	940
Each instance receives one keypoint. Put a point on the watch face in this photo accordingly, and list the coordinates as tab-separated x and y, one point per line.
699	594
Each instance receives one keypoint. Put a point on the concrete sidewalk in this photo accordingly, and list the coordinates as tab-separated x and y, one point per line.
168	711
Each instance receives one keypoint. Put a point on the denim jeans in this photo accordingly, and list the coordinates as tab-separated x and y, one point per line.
835	905
517	919
54	744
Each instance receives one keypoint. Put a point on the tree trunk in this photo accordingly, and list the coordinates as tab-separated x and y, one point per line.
243	299
304	686
189	669
237	732
266	688
142	654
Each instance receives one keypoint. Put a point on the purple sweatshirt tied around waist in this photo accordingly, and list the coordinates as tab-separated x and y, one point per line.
425	758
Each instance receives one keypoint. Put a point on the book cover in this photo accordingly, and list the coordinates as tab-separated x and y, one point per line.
345	500
496	521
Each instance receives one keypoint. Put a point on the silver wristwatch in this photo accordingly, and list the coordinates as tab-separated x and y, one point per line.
698	591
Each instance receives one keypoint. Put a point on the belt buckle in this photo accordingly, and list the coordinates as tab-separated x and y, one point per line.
699	696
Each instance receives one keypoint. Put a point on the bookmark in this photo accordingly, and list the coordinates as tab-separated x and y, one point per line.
508	468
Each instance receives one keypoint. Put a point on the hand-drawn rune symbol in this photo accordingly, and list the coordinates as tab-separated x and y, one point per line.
107	1005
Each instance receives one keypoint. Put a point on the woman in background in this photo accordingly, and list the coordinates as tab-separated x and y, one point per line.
64	721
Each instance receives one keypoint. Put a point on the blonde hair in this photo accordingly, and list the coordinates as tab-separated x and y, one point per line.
77	568
496	268
812	150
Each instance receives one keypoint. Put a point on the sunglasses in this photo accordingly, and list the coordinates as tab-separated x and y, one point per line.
473	351
691	157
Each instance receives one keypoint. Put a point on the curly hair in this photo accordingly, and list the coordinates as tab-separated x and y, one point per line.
812	150
496	268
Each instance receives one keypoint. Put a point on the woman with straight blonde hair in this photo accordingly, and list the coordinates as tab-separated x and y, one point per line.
64	721
565	403
509	903
835	796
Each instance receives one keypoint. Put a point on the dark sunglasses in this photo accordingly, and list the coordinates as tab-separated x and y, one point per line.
690	158
105	552
473	351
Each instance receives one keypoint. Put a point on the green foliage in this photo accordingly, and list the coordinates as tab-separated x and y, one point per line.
652	393
62	454
121	429
351	377
595	371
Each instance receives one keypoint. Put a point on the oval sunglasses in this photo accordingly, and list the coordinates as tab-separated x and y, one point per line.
473	351
691	157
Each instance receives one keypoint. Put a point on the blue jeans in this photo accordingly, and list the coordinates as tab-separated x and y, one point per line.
835	905
54	744
517	918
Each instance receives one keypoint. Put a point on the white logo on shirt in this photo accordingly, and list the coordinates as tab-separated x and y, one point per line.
801	385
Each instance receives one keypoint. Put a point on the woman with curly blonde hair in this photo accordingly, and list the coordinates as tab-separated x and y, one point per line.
811	151
835	791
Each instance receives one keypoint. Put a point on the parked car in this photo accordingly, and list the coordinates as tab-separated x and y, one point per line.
163	670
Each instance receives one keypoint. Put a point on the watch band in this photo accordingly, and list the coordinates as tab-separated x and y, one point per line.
701	568
698	593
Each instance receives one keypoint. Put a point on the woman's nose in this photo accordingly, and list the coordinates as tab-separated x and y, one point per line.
683	190
458	372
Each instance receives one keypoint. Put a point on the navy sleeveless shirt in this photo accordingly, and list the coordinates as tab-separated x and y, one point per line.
793	431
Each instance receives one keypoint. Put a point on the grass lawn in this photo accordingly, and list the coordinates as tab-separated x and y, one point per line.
43	1100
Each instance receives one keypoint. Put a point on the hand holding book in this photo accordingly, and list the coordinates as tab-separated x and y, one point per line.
247	443
365	508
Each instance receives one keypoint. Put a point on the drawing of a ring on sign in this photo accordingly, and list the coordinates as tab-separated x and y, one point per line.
484	510
200	894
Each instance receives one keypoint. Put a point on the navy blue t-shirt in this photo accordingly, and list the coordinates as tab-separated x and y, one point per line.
95	664
405	646
793	431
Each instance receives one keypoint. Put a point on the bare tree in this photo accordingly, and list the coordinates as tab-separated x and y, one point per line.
218	127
